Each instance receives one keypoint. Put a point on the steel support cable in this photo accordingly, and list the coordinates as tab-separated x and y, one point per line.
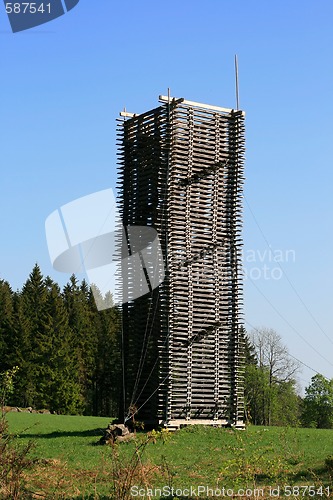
161	383
145	350
289	324
154	366
122	165
94	239
152	370
164	198
143	343
123	365
291	355
142	359
286	276
162	219
143	356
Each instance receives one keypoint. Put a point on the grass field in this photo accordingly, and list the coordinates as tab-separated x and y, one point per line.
71	465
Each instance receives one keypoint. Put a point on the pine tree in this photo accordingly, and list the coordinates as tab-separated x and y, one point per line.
31	320
108	373
62	386
81	321
6	324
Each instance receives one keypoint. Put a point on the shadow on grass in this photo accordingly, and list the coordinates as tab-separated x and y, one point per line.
319	473
61	434
315	475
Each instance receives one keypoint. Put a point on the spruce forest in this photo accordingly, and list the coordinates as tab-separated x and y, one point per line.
67	352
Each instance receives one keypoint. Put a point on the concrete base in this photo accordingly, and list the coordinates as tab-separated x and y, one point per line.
179	423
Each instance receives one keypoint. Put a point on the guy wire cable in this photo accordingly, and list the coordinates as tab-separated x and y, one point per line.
286	276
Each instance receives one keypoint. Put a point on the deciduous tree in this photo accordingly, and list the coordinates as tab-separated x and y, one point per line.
270	380
318	403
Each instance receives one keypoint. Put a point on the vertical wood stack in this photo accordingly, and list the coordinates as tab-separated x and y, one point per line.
181	172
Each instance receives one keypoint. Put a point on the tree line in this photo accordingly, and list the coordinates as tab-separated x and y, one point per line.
67	352
272	396
68	355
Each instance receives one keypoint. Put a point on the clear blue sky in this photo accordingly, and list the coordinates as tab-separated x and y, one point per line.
63	84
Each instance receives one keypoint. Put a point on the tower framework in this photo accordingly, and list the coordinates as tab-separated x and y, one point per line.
181	173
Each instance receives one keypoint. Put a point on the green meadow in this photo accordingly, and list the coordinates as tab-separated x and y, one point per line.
267	461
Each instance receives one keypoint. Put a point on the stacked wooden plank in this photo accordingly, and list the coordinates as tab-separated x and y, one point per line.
181	172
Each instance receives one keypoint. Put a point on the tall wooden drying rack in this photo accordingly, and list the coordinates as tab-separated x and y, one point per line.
181	172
